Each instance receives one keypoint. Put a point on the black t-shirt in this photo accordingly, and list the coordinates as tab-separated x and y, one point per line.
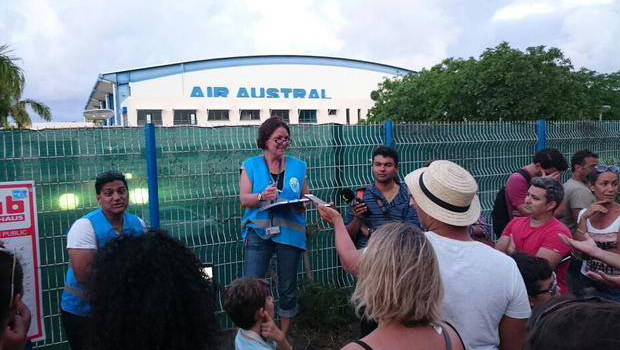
280	180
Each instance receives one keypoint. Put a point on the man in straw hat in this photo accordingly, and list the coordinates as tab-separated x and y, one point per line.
485	296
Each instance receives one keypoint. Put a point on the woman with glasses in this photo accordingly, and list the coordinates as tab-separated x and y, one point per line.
266	178
601	221
14	314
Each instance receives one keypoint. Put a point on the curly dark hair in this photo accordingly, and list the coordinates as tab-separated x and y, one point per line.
267	128
149	292
550	158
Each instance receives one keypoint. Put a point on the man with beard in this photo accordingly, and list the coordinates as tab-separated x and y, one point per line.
383	201
86	235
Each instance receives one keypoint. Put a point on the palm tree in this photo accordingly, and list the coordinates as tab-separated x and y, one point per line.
11	88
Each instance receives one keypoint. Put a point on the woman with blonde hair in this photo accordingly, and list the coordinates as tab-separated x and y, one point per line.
399	286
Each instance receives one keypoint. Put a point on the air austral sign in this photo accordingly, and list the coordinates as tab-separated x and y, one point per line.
259	92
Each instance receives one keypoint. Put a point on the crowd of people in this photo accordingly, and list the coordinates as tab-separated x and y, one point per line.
428	275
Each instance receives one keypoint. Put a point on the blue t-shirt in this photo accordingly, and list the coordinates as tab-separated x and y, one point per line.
249	340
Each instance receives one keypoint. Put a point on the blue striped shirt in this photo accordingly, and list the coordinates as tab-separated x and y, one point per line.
378	214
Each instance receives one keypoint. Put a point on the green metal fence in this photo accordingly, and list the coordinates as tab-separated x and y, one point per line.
198	174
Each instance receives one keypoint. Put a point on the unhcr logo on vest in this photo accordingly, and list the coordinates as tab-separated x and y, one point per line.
259	92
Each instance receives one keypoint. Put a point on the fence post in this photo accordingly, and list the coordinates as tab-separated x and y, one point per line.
541	135
388	133
151	173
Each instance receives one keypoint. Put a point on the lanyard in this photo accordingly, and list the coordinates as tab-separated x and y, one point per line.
271	179
279	172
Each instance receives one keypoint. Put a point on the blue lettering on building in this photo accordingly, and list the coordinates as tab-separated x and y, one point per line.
260	92
272	93
286	91
197	92
242	93
220	91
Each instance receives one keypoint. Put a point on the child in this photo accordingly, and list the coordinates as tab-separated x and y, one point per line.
249	304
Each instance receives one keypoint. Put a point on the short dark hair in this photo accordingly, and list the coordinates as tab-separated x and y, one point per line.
154	285
243	297
550	158
533	270
267	128
387	152
554	191
108	176
594	323
6	280
580	157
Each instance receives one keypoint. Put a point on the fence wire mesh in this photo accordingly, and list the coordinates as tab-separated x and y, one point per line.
198	175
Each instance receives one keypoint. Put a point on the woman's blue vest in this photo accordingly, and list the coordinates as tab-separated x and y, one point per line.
73	295
291	222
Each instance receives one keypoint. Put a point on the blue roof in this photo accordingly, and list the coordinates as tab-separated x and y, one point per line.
139	74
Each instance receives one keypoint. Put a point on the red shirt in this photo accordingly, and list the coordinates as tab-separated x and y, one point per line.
516	191
530	239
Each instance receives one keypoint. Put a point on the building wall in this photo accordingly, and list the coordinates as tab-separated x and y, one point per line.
324	88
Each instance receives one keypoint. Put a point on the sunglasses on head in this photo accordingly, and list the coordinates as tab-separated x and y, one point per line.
4	250
604	167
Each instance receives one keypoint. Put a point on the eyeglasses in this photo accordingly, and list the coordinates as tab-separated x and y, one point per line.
553	289
603	167
562	304
281	140
2	249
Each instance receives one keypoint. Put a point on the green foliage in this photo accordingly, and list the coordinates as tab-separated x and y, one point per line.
324	308
11	88
503	83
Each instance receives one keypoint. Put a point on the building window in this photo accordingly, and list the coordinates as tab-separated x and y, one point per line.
281	113
332	112
184	117
250	114
307	116
218	114
145	114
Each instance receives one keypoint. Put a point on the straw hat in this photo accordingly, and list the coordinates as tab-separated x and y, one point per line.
446	192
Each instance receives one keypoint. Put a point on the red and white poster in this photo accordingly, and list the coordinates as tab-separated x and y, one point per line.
20	233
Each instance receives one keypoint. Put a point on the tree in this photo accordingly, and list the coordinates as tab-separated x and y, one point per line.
11	88
503	83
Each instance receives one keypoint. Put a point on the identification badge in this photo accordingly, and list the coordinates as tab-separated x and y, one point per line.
272	231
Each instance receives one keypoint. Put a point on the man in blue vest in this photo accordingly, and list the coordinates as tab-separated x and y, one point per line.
86	235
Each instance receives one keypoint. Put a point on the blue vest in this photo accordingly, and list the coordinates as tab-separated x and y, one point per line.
292	223
73	295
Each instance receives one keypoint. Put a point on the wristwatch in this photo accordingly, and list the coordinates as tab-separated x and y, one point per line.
259	196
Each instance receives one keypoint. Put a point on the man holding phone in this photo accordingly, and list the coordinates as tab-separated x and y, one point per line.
383	201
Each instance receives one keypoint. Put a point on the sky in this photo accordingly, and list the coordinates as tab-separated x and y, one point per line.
65	44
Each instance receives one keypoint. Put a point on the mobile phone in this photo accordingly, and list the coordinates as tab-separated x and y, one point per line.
207	269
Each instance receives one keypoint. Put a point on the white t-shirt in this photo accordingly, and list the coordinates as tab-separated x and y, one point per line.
81	235
481	285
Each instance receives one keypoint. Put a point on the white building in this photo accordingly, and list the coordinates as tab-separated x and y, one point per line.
242	90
